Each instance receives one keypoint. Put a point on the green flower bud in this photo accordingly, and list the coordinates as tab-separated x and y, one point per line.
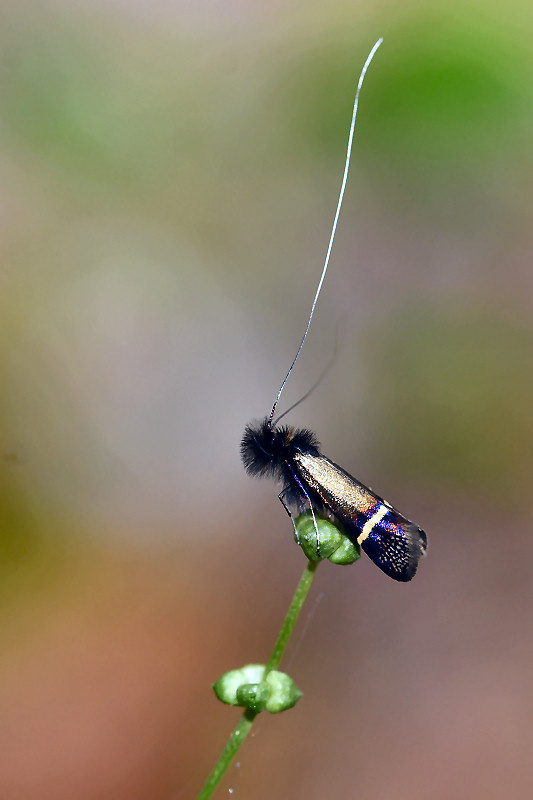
334	544
245	687
329	537
284	693
226	687
346	553
253	695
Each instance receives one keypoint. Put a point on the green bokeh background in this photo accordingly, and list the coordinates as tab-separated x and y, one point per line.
169	177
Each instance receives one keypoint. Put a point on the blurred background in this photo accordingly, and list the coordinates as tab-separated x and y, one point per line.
169	178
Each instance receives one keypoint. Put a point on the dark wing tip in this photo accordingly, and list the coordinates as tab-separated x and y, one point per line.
396	548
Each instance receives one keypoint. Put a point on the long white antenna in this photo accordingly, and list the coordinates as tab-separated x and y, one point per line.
334	229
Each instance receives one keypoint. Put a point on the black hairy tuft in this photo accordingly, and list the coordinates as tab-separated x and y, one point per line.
265	450
305	441
256	450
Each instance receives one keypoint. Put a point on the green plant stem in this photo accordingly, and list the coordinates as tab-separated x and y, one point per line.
292	615
237	737
241	730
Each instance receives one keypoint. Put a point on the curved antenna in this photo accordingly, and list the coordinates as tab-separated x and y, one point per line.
319	380
334	228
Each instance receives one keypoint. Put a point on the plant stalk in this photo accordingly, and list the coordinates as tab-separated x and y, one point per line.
241	730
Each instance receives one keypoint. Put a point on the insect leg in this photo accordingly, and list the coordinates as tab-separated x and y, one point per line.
289	512
305	494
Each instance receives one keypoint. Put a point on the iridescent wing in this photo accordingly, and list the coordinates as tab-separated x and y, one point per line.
392	542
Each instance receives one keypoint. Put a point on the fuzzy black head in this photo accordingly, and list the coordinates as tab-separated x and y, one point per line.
265	450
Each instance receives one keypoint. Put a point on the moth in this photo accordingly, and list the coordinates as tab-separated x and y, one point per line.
311	480
292	455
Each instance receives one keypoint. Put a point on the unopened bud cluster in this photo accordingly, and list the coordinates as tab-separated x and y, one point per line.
325	539
248	687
